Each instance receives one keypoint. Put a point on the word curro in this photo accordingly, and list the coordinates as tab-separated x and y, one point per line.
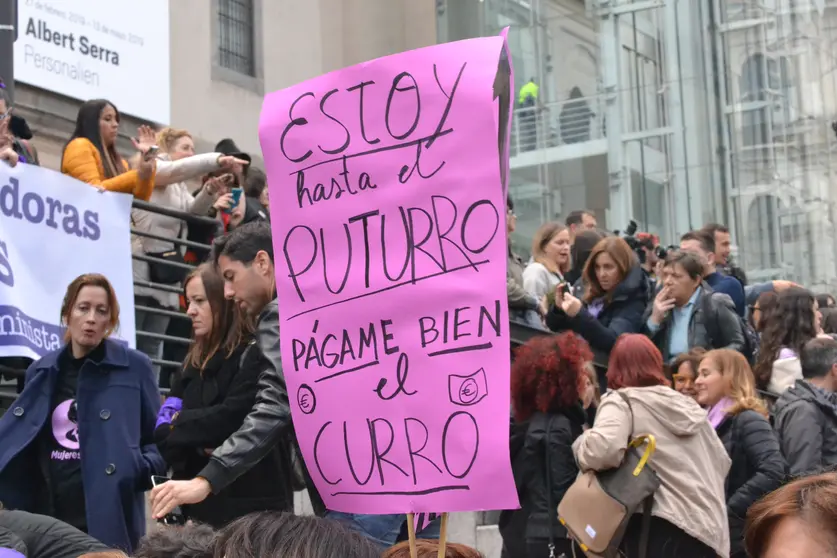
436	240
42	32
377	449
51	212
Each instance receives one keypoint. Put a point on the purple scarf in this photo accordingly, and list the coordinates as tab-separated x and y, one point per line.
718	412
787	352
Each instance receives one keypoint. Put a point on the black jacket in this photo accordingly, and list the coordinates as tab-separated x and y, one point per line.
41	536
720	308
622	314
215	403
757	467
805	419
512	523
269	422
564	428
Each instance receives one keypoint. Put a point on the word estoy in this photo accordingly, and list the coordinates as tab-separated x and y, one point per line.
38	29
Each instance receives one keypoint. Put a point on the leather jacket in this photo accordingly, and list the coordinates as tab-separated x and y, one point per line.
269	423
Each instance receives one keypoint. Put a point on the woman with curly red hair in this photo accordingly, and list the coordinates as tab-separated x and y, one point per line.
547	379
689	515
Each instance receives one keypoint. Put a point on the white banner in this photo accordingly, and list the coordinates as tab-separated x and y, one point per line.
54	228
98	49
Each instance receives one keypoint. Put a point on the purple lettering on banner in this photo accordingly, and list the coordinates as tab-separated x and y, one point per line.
387	186
53	213
16	328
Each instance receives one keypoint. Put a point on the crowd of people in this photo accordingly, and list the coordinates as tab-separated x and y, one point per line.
735	383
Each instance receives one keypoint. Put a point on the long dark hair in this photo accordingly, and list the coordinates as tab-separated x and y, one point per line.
87	127
791	326
229	327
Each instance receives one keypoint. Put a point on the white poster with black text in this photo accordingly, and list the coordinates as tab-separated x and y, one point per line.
54	228
98	49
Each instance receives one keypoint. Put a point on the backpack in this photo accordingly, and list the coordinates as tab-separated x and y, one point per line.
751	338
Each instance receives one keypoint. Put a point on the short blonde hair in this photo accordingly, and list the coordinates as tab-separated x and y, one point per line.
167	137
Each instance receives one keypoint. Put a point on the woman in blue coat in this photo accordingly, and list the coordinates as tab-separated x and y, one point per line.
78	443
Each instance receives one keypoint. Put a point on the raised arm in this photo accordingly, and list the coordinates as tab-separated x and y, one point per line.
82	162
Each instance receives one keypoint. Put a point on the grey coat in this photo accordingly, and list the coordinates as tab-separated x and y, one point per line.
805	420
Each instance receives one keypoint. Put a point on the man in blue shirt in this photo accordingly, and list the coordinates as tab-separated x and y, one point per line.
685	314
703	243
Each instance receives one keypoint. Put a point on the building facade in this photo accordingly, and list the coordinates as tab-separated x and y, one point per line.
677	114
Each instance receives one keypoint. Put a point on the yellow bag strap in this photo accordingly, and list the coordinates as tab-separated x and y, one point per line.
651	447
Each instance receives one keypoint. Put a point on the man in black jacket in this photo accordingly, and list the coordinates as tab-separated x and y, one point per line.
245	260
40	536
805	416
686	313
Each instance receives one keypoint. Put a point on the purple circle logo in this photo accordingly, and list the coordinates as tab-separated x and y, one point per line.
65	424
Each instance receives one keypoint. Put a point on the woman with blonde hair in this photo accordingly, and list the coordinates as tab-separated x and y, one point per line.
727	388
550	260
176	164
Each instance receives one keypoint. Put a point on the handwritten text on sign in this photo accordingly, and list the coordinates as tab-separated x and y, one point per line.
389	235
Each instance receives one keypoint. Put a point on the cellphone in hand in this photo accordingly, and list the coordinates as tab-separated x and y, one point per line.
236	199
151	153
176	516
565	288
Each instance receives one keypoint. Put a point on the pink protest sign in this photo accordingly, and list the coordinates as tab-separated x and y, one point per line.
389	215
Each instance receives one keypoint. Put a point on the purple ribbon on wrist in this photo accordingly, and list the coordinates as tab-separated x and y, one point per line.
172	406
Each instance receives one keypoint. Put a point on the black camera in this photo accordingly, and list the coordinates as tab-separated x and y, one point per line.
636	244
662	253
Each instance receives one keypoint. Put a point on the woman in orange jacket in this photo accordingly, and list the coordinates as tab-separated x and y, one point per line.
91	155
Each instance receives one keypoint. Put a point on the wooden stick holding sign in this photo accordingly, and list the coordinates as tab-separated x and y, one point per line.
411	532
443	536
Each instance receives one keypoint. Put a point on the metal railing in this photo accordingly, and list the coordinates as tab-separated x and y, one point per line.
557	123
187	218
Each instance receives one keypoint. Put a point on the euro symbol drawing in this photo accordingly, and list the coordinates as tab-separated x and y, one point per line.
306	399
467	390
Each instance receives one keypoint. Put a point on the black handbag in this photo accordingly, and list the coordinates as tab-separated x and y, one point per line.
159	272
